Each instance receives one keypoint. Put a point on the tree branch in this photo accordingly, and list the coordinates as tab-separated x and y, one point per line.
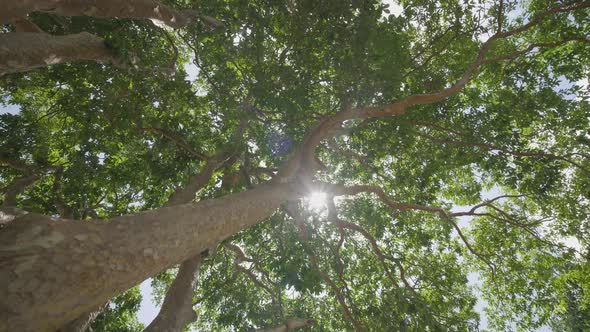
502	149
177	308
339	190
301	163
333	214
23	51
137	9
241	257
500	16
176	140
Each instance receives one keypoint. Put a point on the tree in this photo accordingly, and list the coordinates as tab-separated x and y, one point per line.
395	119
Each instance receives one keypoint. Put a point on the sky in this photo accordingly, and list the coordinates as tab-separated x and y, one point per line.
393	7
148	310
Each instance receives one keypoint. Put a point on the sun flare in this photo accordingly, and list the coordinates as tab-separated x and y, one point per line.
316	200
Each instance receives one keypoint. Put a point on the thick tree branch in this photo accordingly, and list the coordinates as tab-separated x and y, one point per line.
177	308
23	51
174	299
138	9
132	249
17	165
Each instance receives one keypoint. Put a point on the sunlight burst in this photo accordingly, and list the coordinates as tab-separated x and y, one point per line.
316	200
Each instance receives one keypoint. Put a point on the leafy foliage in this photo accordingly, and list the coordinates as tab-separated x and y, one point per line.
107	142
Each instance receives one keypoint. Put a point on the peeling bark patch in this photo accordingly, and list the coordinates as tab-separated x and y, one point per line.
148	252
81	237
5	218
52	59
91	11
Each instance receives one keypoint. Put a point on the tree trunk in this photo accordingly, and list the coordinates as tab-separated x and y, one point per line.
143	9
177	309
52	271
23	51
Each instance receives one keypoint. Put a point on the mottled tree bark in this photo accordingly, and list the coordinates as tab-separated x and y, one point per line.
143	9
53	271
23	51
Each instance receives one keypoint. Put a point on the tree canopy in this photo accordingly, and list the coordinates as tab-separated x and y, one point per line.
273	165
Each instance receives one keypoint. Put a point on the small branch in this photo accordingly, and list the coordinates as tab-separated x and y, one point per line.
375	247
338	190
516	54
242	258
174	61
305	237
500	16
195	183
64	210
439	127
501	149
176	140
226	283
484	203
359	158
